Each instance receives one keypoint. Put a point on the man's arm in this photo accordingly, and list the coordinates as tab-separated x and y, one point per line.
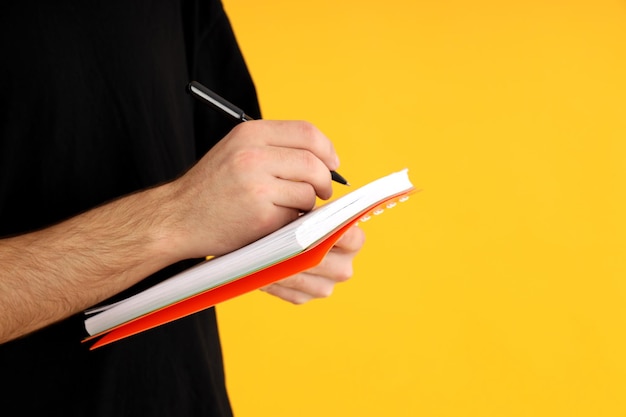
53	273
258	178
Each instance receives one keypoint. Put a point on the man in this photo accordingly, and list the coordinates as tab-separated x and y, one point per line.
106	187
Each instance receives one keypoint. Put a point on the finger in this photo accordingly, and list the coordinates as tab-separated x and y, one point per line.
294	134
294	195
302	288
309	283
302	166
336	266
288	294
352	240
265	223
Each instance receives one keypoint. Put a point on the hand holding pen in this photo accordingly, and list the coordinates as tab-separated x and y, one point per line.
336	267
219	103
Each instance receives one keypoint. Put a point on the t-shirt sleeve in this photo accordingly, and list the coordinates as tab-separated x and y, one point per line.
215	60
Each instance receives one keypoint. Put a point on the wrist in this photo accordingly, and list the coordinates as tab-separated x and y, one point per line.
165	230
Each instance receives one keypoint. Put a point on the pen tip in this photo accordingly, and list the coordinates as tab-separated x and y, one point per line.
338	178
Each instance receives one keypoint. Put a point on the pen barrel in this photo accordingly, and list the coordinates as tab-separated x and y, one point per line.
219	103
215	100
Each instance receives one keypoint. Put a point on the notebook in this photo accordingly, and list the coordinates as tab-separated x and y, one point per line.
296	247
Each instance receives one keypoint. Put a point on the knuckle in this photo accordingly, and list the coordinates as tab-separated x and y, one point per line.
315	172
308	160
352	240
344	273
314	137
245	129
301	283
298	299
355	239
325	291
307	129
247	157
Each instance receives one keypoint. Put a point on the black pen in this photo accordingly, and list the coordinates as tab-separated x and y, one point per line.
217	102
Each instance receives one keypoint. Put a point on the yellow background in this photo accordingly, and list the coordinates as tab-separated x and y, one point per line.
499	290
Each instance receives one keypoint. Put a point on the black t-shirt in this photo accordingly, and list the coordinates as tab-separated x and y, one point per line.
93	106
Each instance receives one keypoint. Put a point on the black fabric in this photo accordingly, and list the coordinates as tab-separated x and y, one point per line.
93	106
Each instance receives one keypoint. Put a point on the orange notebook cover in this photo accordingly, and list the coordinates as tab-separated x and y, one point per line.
209	298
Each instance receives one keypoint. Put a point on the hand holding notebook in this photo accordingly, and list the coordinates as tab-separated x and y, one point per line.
298	246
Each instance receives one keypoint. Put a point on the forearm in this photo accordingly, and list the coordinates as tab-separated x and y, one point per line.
53	273
261	176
